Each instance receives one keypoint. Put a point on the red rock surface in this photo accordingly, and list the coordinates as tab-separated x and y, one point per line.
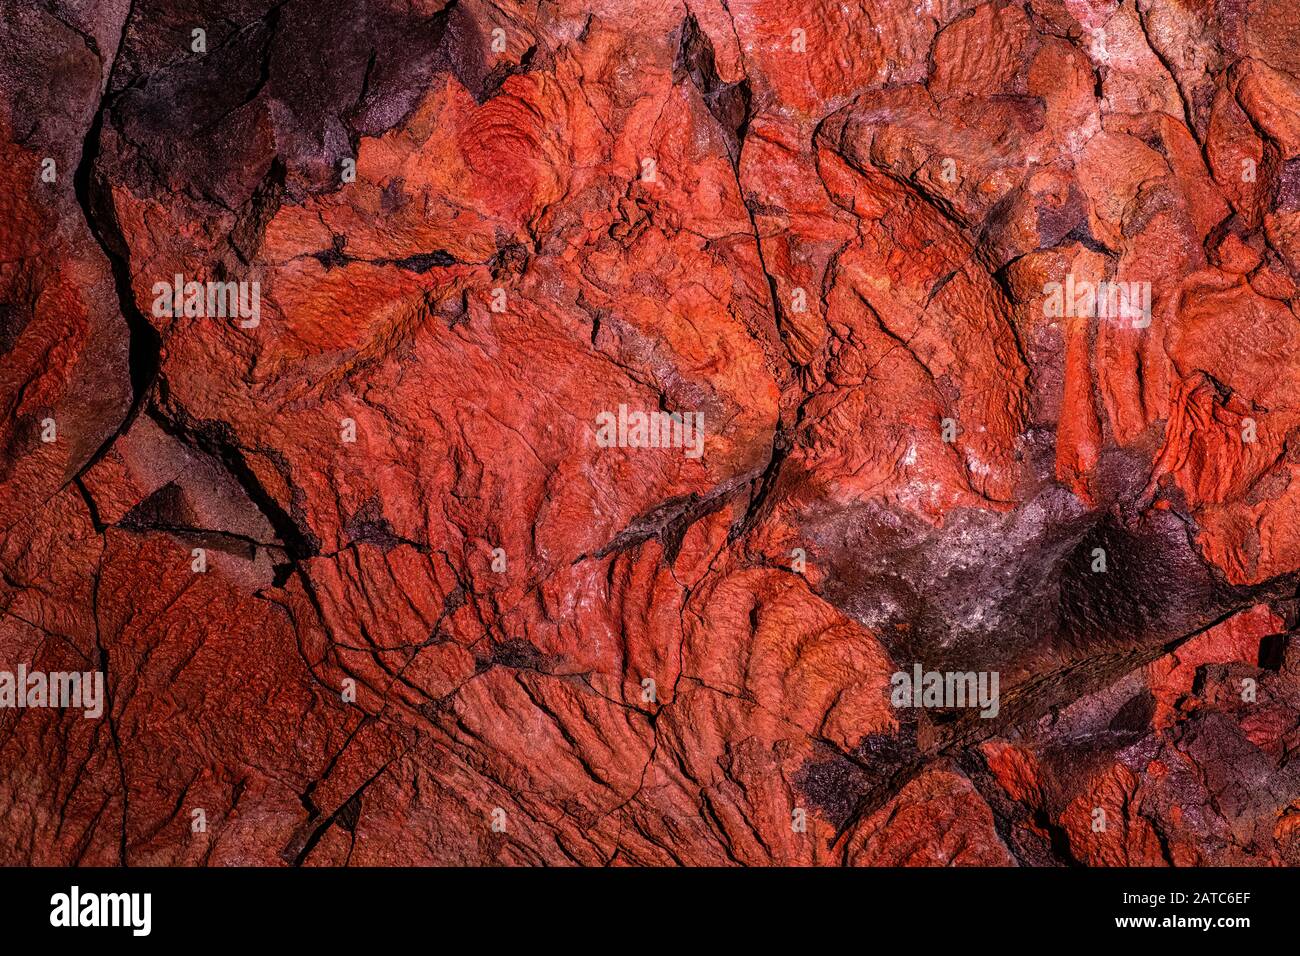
439	621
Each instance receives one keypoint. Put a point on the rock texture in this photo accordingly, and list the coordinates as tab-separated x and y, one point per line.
366	583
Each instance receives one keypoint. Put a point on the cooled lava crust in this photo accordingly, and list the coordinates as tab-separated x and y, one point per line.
367	584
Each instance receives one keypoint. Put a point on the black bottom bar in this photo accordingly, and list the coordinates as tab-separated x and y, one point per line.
636	908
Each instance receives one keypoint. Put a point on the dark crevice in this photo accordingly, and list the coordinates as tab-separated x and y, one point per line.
424	261
109	716
336	257
144	346
217	440
730	103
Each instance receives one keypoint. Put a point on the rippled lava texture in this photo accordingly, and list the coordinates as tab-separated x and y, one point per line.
843	238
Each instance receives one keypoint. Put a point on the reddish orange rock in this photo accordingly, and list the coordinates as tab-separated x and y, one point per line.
580	419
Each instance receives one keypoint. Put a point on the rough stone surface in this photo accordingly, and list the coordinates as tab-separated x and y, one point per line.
440	622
